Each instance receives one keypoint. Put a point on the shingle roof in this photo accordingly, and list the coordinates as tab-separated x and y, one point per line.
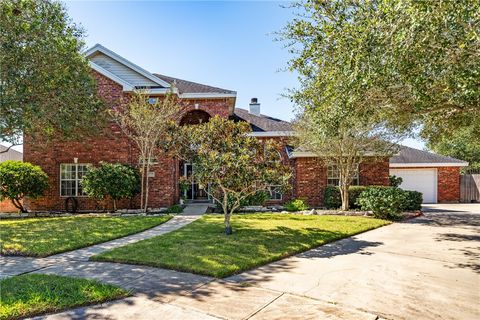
411	155
261	123
185	86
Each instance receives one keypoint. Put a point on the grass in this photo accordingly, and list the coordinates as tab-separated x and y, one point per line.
202	247
33	294
41	237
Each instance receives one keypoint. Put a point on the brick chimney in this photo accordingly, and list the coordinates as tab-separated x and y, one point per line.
254	107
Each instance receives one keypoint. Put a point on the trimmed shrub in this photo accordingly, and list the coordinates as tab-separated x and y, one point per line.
333	200
414	200
395	181
113	180
256	199
21	179
176	208
296	205
385	203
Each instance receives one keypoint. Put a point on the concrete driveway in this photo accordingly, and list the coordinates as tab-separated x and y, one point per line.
426	268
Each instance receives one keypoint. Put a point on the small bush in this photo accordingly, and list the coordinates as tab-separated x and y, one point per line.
176	208
385	203
113	180
395	181
333	200
256	199
414	200
296	205
21	179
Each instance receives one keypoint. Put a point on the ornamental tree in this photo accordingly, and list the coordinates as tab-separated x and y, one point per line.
19	180
113	180
45	83
150	125
230	165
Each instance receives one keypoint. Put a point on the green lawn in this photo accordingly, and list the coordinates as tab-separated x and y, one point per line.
33	294
42	237
201	247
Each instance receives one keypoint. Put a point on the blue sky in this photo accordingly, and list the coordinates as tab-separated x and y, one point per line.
228	44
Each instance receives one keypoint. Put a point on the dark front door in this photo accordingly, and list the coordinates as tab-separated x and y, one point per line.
194	192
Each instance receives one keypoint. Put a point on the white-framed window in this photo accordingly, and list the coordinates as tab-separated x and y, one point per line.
71	175
333	176
275	193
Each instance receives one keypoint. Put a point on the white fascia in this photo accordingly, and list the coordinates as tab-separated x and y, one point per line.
268	134
126	85
131	65
428	164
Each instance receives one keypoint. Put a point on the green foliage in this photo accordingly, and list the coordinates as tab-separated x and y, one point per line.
46	87
41	237
112	180
232	163
393	62
385	203
33	294
256	199
296	205
201	248
395	181
463	143
413	200
333	200
21	179
174	209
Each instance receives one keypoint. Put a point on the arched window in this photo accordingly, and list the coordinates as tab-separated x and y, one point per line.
195	117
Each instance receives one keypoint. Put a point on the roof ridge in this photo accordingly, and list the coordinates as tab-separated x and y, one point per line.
192	82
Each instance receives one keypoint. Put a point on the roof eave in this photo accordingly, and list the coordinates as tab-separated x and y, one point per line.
428	164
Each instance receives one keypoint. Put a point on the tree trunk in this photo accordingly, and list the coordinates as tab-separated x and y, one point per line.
344	194
114	205
147	186
19	206
142	187
228	227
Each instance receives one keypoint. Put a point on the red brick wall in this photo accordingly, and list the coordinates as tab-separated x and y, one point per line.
7	206
110	146
311	177
448	184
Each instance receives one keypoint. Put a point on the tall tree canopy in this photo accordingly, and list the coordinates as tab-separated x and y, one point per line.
406	62
45	82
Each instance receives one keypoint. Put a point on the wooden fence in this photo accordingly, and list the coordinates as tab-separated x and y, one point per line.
470	188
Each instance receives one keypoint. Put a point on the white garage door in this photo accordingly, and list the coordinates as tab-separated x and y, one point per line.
423	180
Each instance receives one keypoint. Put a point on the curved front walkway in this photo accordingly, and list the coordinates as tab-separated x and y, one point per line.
11	266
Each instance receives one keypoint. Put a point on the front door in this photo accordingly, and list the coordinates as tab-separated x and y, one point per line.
194	192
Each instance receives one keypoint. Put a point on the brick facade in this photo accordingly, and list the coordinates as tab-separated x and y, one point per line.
311	177
448	184
110	146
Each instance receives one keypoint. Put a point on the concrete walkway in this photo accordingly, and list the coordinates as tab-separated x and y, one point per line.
11	266
427	268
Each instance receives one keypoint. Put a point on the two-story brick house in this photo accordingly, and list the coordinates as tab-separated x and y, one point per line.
66	162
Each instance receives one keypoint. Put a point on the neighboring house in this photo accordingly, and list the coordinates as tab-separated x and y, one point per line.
6	205
436	176
66	162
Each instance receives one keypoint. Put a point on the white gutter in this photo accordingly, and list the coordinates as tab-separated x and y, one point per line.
428	164
272	134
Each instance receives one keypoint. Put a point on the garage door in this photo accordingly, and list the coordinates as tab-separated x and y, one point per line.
423	180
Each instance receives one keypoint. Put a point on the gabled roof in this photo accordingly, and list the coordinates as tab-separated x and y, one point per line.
410	157
262	123
98	48
185	87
